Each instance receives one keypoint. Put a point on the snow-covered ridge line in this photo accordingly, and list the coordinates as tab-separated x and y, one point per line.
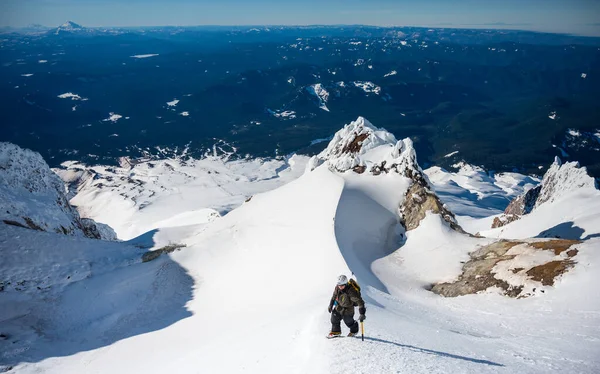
559	181
32	196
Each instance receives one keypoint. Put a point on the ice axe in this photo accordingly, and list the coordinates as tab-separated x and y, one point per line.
362	330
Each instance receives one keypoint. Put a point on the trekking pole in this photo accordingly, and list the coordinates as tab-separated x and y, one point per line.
362	331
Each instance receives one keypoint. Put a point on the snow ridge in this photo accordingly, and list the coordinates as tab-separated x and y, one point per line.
560	179
558	182
32	196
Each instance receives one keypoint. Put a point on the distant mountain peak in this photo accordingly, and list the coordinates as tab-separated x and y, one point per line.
70	25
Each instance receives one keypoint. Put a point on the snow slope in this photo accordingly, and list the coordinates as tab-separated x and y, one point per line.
281	252
134	200
250	290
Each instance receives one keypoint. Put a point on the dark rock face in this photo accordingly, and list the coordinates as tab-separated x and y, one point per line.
356	144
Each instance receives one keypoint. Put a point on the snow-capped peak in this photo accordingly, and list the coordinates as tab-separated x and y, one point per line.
70	26
361	146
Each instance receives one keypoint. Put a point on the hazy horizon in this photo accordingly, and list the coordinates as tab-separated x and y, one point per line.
578	17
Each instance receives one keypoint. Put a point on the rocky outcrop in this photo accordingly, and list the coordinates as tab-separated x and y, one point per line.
362	148
418	201
520	206
517	268
559	180
34	197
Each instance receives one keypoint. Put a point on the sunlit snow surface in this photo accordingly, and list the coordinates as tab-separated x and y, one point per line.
250	291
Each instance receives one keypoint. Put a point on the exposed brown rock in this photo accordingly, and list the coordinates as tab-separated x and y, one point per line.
572	252
418	201
478	273
556	245
378	169
547	272
504	220
356	144
495	250
518	207
359	169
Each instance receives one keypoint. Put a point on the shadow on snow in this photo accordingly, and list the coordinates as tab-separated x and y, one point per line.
566	230
100	310
437	353
365	231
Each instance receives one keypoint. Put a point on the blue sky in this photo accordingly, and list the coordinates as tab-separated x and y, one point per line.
565	16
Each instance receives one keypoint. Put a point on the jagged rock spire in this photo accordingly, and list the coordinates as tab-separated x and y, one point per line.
559	180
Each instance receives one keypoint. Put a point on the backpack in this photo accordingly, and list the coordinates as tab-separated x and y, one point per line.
356	287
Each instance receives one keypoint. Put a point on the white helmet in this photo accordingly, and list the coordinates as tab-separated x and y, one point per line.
342	279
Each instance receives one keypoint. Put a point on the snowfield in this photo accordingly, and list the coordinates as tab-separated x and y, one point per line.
113	117
249	291
72	96
145	56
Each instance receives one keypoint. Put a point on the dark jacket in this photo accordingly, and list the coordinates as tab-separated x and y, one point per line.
346	300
